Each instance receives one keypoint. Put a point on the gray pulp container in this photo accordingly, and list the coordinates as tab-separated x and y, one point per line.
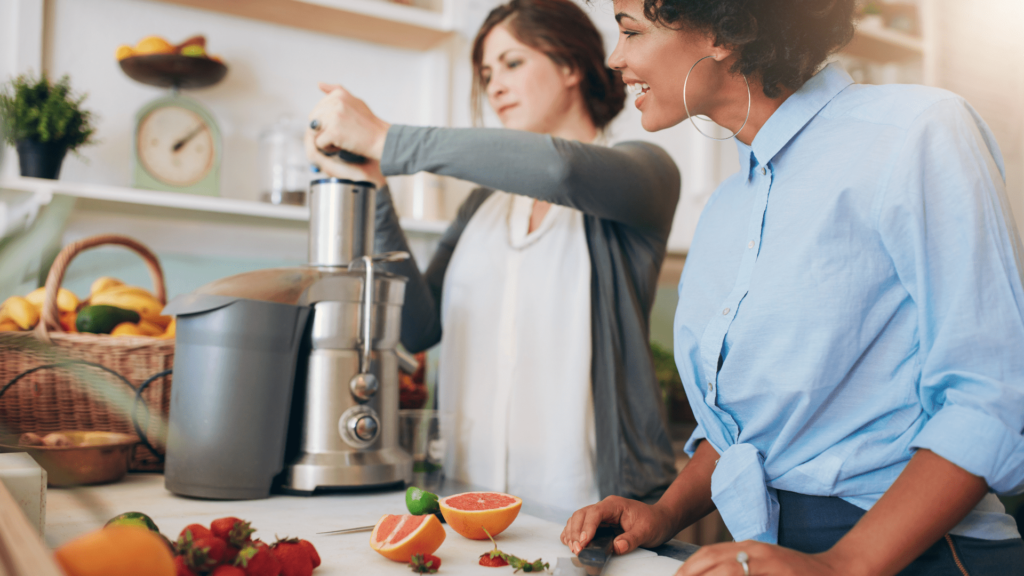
234	370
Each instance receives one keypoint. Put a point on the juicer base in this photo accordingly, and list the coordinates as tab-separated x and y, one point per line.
348	470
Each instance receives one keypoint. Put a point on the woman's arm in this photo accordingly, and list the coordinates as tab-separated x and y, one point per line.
929	498
635	183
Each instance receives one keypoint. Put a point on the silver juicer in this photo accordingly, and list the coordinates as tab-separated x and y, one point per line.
263	397
349	395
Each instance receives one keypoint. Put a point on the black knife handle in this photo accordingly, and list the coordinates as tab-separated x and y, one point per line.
346	156
600	548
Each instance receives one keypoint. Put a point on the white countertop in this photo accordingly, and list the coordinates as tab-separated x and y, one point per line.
72	512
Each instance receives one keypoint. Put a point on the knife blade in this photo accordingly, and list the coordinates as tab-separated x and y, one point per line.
349	530
596	554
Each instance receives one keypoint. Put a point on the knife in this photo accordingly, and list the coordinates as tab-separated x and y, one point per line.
593	558
349	530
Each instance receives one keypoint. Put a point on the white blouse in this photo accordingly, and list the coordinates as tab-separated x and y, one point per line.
516	354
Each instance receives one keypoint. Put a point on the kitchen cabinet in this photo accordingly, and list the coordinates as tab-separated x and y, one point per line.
534	534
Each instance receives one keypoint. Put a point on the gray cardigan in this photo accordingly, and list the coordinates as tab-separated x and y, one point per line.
628	195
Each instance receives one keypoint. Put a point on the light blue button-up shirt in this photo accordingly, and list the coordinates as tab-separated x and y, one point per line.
851	294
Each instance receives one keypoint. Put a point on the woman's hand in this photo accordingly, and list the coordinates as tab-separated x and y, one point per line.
762	560
346	123
332	166
642	524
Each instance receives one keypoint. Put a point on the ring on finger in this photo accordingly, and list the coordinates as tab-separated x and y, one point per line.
742	558
315	124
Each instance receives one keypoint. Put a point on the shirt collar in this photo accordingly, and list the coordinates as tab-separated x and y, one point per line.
793	115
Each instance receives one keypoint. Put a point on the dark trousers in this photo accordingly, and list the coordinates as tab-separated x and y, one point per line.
815	523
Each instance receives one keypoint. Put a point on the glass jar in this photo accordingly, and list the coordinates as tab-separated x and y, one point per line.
285	172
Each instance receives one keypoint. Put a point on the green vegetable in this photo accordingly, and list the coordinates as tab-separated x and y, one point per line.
101	319
39	110
133	519
421	502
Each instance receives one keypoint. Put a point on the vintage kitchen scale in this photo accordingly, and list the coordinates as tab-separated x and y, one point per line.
176	145
288	378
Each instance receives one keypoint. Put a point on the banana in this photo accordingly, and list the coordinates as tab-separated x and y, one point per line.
22	312
150	328
148	307
9	326
103	283
126	329
66	299
171	330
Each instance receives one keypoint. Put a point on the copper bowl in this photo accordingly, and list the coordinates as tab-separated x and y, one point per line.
93	457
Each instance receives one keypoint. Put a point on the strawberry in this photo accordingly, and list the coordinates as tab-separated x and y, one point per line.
181	567
424	563
256	559
208	552
226	570
295	559
492	561
196	531
312	552
232	530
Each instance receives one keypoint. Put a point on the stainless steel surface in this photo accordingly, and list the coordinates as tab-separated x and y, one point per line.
350	530
341	221
366	381
350	436
364	385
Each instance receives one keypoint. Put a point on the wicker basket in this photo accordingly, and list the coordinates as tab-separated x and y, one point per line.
51	380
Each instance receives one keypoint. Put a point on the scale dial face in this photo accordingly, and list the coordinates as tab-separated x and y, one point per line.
175	146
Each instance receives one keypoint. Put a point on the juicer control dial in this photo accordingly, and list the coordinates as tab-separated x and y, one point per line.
359	426
365	427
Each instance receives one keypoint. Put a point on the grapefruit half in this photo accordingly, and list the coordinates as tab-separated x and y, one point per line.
472	512
399	537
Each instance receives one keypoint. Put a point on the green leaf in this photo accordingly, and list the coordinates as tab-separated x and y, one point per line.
33	108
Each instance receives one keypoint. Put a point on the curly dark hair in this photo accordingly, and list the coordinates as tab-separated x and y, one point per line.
781	43
565	33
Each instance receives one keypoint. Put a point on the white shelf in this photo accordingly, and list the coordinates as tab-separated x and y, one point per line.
884	45
209	204
376	21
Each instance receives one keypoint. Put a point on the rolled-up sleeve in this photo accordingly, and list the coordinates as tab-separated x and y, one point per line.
946	222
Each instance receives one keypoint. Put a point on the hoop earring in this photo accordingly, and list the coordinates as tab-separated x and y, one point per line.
749	101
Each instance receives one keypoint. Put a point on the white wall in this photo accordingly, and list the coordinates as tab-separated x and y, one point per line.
273	70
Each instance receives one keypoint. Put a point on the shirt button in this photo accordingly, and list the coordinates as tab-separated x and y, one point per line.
711	387
763	170
750	244
725	312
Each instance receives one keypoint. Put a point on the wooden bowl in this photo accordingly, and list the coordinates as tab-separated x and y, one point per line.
92	458
174	70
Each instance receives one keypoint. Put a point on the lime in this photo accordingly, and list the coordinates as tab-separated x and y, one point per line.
194	51
141	520
421	502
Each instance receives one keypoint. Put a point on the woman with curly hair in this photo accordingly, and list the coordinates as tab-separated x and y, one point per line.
850	318
540	292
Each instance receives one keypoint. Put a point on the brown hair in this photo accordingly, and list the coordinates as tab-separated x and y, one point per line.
562	31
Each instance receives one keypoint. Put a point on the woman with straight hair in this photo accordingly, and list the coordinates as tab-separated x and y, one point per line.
540	292
851	312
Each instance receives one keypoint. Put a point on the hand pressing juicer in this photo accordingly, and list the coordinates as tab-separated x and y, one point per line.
248	412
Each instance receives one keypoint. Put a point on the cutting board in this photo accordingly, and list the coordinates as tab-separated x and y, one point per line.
72	512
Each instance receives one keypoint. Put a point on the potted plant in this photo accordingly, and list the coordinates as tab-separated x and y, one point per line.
43	120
